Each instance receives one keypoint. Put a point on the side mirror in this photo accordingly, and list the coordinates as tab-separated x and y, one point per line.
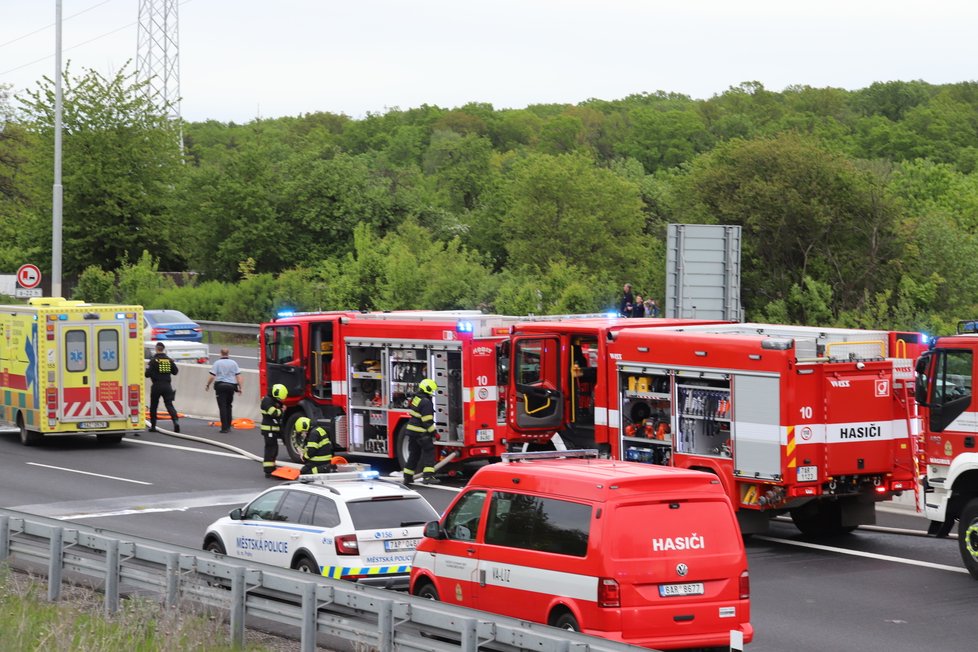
235	514
432	530
921	380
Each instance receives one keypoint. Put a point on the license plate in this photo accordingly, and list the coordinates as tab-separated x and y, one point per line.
484	434
92	425
394	545
671	590
181	332
807	473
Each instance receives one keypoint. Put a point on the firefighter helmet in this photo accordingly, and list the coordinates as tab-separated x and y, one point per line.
302	424
280	391
428	386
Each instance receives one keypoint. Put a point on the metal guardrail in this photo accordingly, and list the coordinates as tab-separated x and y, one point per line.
234	328
318	609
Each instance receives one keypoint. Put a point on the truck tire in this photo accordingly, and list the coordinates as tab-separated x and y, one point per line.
820	518
27	437
968	537
401	446
292	440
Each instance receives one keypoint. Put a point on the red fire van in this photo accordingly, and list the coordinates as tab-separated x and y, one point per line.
646	555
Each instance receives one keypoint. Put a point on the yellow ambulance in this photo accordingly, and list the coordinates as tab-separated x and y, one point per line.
70	367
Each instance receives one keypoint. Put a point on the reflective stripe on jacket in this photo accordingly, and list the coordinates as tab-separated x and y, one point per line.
422	415
271	414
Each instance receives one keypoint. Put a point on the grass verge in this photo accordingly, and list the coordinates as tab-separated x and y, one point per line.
30	623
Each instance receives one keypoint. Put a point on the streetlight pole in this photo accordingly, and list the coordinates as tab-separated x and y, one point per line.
57	203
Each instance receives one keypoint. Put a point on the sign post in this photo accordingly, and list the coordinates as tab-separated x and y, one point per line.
28	280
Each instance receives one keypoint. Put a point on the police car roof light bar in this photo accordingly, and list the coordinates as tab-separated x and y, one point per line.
549	455
342	476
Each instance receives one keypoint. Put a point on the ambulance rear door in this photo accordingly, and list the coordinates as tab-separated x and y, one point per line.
91	373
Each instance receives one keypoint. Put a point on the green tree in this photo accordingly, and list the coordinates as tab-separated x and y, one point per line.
806	212
120	161
564	208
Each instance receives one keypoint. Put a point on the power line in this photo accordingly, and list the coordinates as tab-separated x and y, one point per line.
68	49
41	29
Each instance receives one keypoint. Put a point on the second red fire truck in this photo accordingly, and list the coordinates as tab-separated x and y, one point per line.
816	423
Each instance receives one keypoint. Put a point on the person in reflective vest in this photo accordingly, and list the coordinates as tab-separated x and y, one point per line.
160	370
421	435
272	410
318	453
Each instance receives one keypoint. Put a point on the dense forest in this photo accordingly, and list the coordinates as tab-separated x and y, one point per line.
858	208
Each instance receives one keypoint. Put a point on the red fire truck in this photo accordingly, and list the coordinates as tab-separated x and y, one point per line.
817	423
945	377
354	372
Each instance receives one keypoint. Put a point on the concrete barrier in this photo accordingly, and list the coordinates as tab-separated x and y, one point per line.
194	401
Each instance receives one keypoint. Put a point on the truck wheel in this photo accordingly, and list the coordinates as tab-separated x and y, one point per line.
293	441
968	537
401	446
820	519
27	437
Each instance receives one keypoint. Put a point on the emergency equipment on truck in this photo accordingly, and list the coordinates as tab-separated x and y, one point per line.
70	367
354	374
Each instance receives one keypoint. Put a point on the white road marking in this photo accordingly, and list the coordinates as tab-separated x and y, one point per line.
98	475
237	501
185	448
859	553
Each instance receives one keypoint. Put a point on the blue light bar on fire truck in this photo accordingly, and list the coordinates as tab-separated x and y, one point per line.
967	326
464	326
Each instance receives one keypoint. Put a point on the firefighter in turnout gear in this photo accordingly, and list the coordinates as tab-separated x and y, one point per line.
421	435
272	410
318	453
159	370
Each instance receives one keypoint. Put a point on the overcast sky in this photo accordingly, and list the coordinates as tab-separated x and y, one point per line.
242	59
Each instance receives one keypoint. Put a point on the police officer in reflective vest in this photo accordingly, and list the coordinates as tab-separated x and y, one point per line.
159	370
318	453
272	410
421	435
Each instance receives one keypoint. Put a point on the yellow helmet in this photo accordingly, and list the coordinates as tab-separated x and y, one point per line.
428	386
280	391
302	424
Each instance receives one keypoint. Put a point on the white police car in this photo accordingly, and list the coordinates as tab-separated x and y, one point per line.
346	525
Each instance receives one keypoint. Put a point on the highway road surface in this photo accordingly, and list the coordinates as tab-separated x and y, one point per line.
886	589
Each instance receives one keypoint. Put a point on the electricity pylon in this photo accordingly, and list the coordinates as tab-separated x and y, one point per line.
157	53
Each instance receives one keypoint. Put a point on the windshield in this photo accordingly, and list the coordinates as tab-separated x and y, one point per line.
398	511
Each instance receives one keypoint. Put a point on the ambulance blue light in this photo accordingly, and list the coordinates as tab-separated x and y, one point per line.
120	315
369	475
63	317
464	327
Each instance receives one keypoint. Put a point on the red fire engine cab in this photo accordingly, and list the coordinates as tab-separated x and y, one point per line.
944	389
817	423
355	372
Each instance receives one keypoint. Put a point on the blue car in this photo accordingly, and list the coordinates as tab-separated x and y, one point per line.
171	325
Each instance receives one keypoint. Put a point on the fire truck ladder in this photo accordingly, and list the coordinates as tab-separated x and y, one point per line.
911	435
